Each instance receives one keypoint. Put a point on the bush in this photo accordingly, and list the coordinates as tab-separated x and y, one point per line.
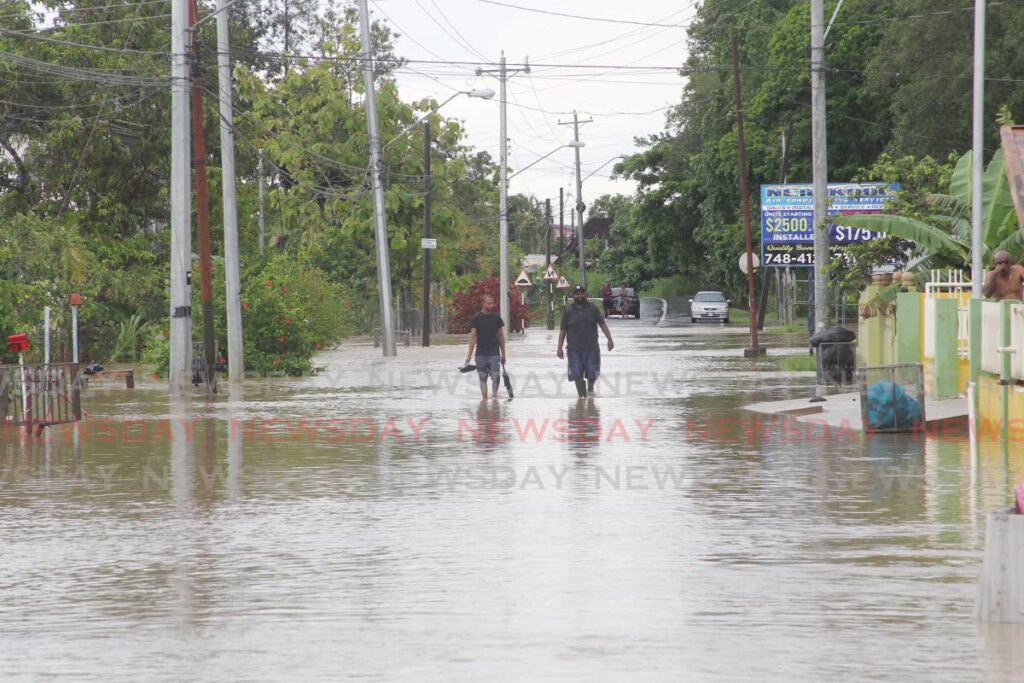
289	312
467	304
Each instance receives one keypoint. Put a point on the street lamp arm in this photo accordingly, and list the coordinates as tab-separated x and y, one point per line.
602	166
485	94
418	121
537	161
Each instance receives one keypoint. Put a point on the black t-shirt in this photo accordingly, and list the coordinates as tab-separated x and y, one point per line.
487	326
581	326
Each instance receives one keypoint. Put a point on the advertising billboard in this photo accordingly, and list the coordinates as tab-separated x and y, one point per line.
787	219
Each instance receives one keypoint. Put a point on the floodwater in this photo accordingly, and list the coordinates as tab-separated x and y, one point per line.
379	522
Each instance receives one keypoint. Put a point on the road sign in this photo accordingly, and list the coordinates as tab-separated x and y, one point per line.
428	243
743	262
563	283
523	280
787	219
550	275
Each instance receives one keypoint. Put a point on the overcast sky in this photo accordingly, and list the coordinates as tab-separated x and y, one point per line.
623	104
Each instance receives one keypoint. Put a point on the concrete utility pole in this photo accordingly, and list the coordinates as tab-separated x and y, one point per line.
978	153
580	206
819	165
383	265
426	232
232	277
181	206
503	73
503	192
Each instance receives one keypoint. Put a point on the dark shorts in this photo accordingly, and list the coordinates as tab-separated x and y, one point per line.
584	364
488	366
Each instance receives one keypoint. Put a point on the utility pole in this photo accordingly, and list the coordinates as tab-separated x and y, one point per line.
262	220
755	348
547	252
426	232
232	277
202	211
381	234
503	73
561	223
978	153
580	206
819	164
503	196
181	206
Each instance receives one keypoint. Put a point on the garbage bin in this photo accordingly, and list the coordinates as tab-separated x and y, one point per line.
836	356
892	397
836	363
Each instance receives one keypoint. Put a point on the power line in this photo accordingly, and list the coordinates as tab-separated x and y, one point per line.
580	16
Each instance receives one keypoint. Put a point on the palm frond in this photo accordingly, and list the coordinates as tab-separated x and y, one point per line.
927	237
960	182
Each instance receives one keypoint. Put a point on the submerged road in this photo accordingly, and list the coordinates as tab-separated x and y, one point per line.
379	522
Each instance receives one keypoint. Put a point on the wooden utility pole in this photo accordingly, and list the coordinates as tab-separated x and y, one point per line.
426	232
202	211
547	252
755	348
561	223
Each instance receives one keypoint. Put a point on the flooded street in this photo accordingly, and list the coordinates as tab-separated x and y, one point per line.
379	522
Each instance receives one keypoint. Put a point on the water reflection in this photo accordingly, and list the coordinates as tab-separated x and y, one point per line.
282	531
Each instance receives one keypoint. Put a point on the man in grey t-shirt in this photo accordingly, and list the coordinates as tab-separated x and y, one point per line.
579	325
487	337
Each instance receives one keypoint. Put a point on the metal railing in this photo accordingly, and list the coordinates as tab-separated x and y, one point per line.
34	397
949	284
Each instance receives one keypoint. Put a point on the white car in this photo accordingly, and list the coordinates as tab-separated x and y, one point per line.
709	306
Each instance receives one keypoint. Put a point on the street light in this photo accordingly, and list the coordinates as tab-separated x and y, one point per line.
571	143
618	156
481	93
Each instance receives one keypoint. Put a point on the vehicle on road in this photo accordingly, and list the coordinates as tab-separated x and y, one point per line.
631	302
709	305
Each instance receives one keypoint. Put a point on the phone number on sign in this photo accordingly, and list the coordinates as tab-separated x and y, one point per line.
787	259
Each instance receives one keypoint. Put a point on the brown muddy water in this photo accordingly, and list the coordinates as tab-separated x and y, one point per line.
379	522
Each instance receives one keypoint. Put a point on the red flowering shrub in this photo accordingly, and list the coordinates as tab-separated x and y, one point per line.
467	304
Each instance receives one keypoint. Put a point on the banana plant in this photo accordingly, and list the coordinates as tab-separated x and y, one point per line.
946	234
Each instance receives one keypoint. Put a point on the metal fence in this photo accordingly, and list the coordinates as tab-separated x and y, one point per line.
34	397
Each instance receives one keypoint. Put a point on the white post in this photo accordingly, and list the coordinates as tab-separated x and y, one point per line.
181	205
383	266
24	391
74	334
233	287
46	337
1001	588
503	196
819	164
978	153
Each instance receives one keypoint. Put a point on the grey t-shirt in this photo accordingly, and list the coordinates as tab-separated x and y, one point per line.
580	325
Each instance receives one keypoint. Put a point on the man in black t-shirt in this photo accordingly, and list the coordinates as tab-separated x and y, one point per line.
487	336
579	324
